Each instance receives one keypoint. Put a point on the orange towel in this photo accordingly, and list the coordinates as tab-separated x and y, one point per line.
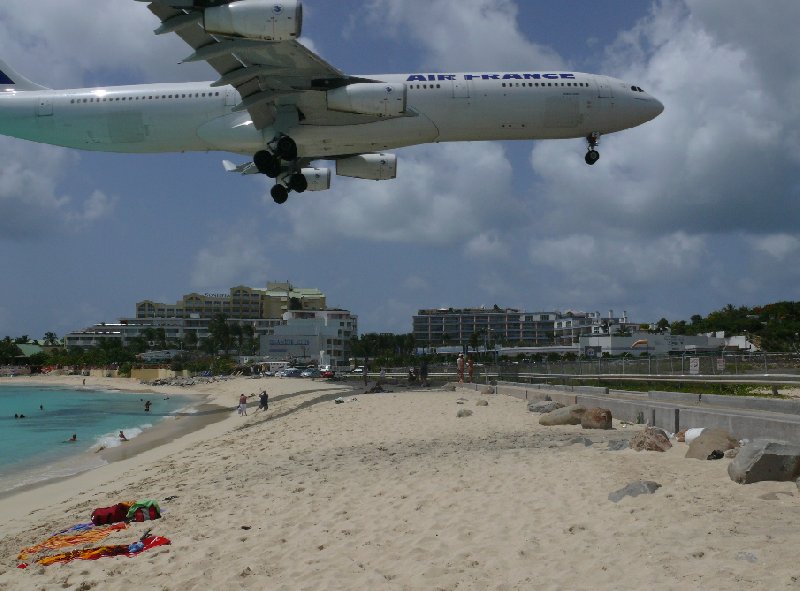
62	541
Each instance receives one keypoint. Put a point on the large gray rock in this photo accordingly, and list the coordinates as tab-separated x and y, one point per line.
763	459
596	418
711	440
634	489
544	406
651	439
569	415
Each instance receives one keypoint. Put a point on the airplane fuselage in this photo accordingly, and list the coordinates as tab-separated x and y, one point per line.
186	117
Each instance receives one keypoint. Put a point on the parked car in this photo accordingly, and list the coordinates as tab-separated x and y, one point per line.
288	372
311	372
358	371
328	373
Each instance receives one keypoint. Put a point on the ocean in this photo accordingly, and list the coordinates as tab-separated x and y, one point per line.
36	448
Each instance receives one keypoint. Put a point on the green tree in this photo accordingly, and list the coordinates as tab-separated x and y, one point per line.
50	339
9	352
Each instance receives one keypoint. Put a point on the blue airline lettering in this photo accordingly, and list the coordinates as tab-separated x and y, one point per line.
511	76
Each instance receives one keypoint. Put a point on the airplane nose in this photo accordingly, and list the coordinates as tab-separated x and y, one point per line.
655	108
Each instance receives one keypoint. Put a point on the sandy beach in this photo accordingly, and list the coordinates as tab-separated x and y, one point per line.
394	491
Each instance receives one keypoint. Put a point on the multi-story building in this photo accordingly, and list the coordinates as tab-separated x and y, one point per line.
189	319
322	336
449	326
241	302
571	325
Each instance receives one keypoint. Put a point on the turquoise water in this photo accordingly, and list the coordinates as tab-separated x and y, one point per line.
35	448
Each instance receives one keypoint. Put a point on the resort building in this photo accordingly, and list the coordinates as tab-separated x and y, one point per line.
187	321
449	326
241	302
321	336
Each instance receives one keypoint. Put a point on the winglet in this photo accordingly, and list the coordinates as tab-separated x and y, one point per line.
12	80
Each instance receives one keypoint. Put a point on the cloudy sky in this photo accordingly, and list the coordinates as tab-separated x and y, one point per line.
696	210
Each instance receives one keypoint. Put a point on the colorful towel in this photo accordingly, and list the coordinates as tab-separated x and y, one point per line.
94	553
62	541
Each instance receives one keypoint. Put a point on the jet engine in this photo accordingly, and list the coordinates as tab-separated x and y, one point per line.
319	179
369	98
267	20
374	167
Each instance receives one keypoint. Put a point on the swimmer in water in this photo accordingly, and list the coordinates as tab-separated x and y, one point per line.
72	439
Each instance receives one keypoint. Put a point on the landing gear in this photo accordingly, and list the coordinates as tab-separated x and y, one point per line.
279	161
298	183
279	194
267	163
285	148
592	155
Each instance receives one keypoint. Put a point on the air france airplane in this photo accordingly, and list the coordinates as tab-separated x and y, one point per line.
282	105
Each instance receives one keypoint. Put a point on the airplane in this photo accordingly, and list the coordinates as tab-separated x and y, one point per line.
285	107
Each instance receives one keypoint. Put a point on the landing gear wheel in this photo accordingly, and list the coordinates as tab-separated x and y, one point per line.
279	194
298	183
267	164
286	148
592	156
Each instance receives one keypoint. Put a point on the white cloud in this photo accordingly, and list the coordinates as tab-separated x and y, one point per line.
777	246
233	256
477	33
443	194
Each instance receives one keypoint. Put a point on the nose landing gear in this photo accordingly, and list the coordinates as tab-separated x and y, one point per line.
592	155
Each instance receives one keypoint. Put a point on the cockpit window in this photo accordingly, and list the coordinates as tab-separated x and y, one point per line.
636	89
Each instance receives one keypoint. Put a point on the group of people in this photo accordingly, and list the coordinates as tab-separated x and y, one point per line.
263	403
470	366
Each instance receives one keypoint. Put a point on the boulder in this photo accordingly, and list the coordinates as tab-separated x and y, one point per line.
544	406
634	489
569	415
651	439
482	403
487	390
763	459
596	418
711	440
463	413
618	444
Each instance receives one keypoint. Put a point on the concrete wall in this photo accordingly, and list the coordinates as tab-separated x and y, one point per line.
157	374
743	417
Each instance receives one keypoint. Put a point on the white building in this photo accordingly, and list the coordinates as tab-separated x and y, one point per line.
321	336
640	343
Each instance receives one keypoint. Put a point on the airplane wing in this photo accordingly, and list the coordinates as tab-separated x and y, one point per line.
267	74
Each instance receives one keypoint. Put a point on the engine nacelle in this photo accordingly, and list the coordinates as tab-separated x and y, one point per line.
374	167
319	179
369	98
267	20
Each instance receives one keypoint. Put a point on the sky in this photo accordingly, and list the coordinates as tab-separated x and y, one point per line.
695	210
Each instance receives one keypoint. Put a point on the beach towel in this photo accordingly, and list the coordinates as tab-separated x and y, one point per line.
128	550
63	541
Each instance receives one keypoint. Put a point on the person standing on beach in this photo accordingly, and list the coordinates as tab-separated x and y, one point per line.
460	367
243	405
264	400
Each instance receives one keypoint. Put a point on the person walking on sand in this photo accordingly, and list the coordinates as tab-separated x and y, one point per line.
460	367
243	405
263	400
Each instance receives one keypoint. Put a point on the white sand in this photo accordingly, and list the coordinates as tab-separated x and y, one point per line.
392	491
